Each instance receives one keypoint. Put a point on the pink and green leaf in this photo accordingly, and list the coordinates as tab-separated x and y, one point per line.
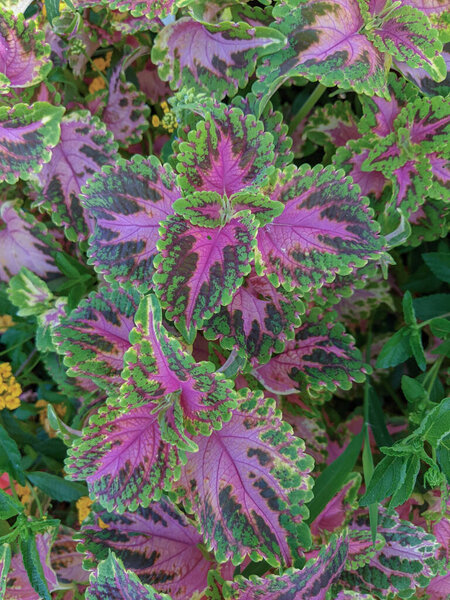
94	337
26	243
200	269
158	370
248	485
324	231
24	58
325	44
331	126
158	543
152	10
128	201
123	458
406	34
84	148
27	135
113	581
404	563
310	583
321	357
226	153
218	57
258	321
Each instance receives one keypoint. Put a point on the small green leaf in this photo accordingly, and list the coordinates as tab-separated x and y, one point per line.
429	307
408	309
443	455
439	264
440	327
436	424
56	487
395	351
403	491
32	564
63	431
8	507
389	474
10	457
415	342
29	293
413	390
330	480
52	8
5	561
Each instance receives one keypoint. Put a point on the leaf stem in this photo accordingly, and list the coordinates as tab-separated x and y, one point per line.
307	107
25	362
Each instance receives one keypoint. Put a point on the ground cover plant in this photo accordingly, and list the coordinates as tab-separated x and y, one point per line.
223	305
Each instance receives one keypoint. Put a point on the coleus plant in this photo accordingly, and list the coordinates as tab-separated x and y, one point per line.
200	278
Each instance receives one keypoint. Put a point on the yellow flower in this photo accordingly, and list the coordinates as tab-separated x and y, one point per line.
24	493
5	323
155	121
169	121
97	84
103	63
83	507
102	524
165	107
10	389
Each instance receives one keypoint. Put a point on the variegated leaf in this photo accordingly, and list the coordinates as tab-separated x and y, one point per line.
321	357
27	134
24	58
94	337
152	10
405	562
405	33
310	583
217	56
325	44
200	269
123	458
258	321
158	370
225	153
84	148
158	543
26	243
248	484
128	201
324	231
331	126
113	581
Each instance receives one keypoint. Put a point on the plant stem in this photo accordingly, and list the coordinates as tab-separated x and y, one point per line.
13	488
25	362
36	499
307	107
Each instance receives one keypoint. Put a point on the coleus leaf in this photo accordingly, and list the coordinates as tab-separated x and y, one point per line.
217	56
24	60
123	458
273	122
248	484
422	79
210	209
65	560
159	370
113	581
158	543
28	242
27	133
123	109
309	583
225	153
258	321
325	44
199	268
152	10
94	337
405	562
324	231
128	201
84	147
331	126
321	357
405	33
